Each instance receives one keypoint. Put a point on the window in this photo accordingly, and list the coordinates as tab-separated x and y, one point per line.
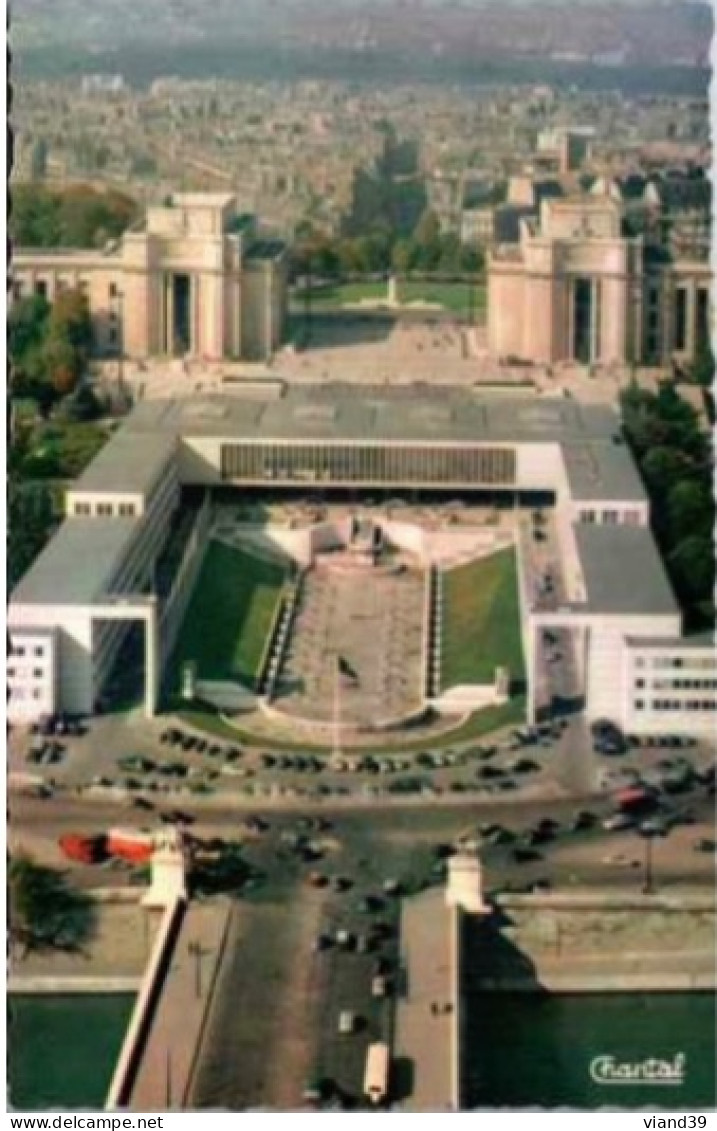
40	288
610	518
19	650
12	672
37	694
113	290
83	509
681	318
17	290
104	510
639	661
639	683
37	673
126	510
639	704
39	650
702	318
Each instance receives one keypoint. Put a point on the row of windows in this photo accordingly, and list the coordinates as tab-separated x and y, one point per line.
38	673
19	693
680	684
106	510
611	517
41	288
663	663
676	705
21	650
365	463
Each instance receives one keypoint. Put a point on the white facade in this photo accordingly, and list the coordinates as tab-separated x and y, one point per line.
634	665
32	673
671	686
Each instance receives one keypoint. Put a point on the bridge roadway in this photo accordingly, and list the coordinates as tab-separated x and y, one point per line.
167	1065
424	1042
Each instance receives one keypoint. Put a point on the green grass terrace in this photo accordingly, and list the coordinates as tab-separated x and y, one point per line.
481	622
457	297
229	618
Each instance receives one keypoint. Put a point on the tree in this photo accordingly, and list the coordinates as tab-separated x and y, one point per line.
689	509
73	217
27	326
692	565
38	160
428	229
70	320
34	217
471	258
662	467
702	370
63	363
45	912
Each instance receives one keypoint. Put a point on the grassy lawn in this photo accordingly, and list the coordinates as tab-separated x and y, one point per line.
451	296
229	616
336	296
481	621
63	450
480	724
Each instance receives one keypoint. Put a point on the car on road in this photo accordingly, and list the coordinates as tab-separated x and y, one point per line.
654	826
526	855
347	1021
584	819
524	766
616	822
607	737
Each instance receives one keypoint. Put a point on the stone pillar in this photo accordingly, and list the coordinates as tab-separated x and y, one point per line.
691	318
152	659
169	313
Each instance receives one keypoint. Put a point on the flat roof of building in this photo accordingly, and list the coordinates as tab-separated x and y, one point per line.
701	641
602	470
451	414
129	463
78	564
623	571
598	463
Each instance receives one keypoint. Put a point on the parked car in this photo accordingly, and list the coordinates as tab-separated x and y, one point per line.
618	821
583	820
607	737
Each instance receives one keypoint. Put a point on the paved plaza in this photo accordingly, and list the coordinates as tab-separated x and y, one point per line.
374	620
370	349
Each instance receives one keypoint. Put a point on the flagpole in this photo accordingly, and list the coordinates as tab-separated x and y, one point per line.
337	708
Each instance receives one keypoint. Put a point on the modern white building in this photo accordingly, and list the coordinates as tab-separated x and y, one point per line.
69	613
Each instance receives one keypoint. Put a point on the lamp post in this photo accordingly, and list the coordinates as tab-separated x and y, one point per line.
471	299
307	305
195	950
648	886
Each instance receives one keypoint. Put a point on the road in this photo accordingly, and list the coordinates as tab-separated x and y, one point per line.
395	840
255	1055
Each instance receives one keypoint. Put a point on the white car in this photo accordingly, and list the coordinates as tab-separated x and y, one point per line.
617	821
